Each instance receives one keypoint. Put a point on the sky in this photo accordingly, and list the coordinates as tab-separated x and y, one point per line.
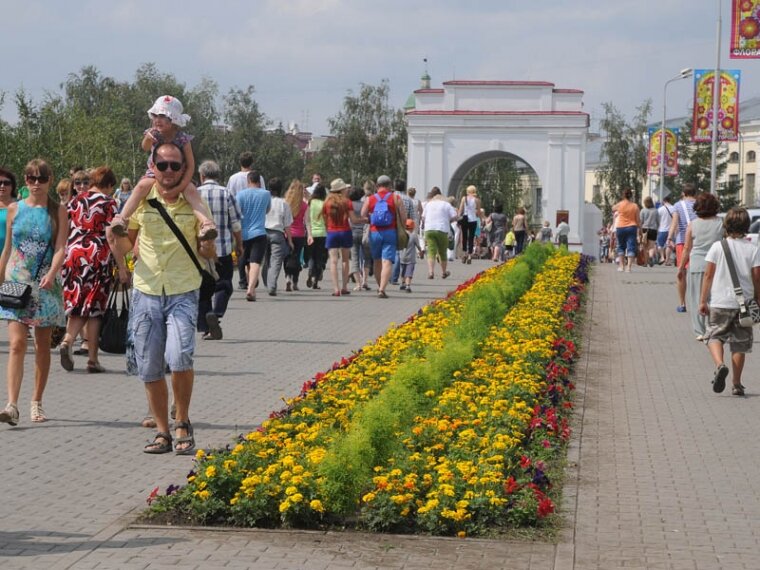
304	56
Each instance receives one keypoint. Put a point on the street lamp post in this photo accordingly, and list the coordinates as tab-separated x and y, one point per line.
683	74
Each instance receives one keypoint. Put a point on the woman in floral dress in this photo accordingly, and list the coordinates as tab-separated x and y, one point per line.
35	246
88	268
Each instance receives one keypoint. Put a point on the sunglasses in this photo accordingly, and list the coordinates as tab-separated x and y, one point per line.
5	182
81	181
40	179
163	165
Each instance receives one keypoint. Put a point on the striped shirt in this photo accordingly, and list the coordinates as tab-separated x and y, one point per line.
225	213
683	220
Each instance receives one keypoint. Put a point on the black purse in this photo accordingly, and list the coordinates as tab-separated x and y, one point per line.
208	281
113	331
16	295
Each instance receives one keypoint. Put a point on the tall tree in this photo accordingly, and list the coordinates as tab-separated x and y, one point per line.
499	181
694	161
368	137
624	153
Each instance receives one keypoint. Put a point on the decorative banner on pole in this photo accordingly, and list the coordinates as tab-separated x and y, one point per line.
728	112
655	151
745	29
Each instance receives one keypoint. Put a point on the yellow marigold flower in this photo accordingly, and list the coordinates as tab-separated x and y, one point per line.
368	498
285	476
229	464
200	454
316	505
291	491
297	498
202	495
285	505
236	450
234	500
461	534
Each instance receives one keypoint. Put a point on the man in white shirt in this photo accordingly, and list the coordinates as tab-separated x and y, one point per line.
316	180
239	180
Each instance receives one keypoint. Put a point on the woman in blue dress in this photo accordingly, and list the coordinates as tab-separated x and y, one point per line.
35	244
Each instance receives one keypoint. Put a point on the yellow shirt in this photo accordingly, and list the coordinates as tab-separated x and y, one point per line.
163	266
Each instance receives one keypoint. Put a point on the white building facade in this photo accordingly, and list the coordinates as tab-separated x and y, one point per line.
454	129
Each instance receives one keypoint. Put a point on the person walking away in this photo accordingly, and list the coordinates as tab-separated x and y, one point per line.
35	245
469	206
165	298
338	212
665	211
279	244
683	213
701	234
650	222
437	216
227	218
295	198
562	233
359	263
400	191
545	234
520	227
628	223
498	232
409	257
316	232
718	299
382	209
254	203
235	184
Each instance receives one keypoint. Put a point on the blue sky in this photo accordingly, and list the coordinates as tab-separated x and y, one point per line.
303	56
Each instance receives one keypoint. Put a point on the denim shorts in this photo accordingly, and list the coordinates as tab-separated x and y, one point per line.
626	241
163	329
383	244
662	239
339	240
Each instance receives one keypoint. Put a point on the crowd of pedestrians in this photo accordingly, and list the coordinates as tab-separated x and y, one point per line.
176	244
717	276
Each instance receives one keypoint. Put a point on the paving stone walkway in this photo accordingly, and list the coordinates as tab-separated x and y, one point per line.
661	470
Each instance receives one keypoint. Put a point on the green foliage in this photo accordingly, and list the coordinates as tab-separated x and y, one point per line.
96	120
624	153
694	162
369	138
499	181
374	431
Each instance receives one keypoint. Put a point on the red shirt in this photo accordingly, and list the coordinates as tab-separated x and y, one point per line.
343	225
391	200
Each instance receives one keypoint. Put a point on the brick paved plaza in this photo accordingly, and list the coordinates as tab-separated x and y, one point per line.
661	470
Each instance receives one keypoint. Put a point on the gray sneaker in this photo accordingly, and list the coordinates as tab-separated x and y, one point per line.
9	415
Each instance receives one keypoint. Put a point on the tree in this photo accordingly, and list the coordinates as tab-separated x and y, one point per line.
694	161
369	138
499	181
624	153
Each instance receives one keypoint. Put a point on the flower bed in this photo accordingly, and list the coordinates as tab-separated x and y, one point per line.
484	409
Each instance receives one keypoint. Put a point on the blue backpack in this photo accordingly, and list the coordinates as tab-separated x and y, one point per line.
381	215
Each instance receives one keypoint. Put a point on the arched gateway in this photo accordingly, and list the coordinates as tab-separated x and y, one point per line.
454	129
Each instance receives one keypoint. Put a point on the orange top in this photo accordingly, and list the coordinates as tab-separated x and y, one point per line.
627	214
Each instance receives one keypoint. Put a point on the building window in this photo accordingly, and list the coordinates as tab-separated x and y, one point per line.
538	208
733	157
751	156
597	191
733	179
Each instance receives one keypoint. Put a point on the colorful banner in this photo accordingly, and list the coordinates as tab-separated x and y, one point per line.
655	151
745	29
728	110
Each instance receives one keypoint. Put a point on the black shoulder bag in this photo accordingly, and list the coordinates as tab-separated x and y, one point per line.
113	328
16	295
749	311
208	283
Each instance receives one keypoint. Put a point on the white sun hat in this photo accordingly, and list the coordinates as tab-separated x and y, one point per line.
172	108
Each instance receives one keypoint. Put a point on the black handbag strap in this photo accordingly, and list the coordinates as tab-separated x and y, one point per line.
734	277
175	230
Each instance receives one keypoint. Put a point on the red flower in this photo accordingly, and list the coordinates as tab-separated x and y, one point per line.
510	485
545	507
153	495
525	462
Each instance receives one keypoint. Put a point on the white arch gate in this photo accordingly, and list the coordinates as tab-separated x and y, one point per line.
453	129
